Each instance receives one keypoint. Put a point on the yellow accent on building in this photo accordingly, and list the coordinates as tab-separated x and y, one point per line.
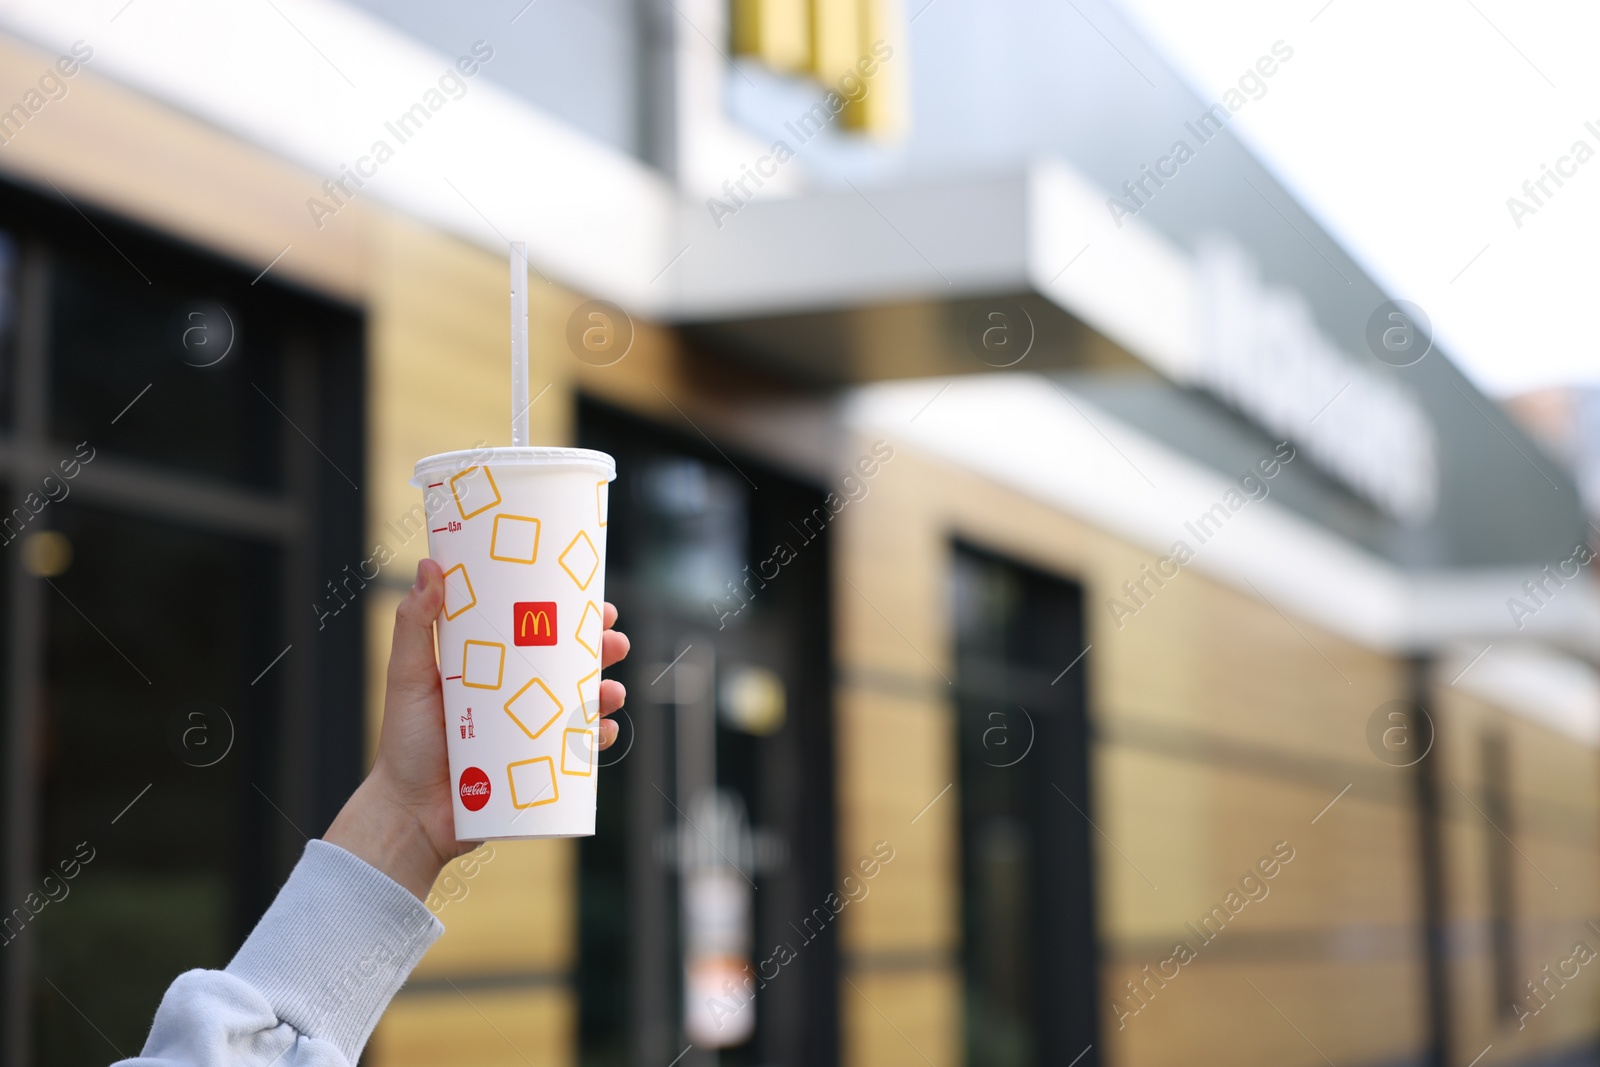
854	48
777	32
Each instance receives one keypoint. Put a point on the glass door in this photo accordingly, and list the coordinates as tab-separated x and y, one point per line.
1026	860
715	833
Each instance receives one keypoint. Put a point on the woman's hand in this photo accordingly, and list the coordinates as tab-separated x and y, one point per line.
400	819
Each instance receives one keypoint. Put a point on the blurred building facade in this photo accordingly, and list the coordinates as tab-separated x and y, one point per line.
1078	617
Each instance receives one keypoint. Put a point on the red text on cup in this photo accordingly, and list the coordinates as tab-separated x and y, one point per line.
474	789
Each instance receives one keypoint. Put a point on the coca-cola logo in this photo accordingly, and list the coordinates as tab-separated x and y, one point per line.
474	789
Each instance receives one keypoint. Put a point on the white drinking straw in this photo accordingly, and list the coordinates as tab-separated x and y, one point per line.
519	344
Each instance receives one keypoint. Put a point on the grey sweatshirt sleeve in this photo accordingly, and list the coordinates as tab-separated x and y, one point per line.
310	982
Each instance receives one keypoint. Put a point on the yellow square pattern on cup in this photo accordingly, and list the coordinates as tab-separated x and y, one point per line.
577	752
458	594
589	629
515	540
533	782
475	491
483	664
602	502
534	708
580	558
590	702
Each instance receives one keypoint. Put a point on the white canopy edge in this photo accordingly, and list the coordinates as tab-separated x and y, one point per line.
1035	436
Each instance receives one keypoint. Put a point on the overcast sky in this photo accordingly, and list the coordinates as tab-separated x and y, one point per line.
1405	127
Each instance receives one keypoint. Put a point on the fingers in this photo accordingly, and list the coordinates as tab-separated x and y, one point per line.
614	645
612	696
412	665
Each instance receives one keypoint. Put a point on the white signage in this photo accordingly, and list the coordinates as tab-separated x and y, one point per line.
1262	353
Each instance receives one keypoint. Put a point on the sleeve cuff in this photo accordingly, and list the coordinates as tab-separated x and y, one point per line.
335	946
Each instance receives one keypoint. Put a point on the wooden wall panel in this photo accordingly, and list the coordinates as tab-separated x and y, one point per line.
1213	1018
901	1020
477	1027
895	754
515	916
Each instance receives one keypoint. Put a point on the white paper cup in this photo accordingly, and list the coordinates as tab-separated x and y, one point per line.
521	536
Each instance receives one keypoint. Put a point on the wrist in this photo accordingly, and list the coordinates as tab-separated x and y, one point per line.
384	833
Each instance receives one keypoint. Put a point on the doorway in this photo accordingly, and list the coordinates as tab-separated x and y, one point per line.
1028	919
715	824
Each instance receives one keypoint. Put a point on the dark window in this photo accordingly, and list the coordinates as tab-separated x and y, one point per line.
1027	904
717	800
180	449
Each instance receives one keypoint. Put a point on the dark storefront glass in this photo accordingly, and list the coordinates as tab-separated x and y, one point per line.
1027	903
175	724
715	830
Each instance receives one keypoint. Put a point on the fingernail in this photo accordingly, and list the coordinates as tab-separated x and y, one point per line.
420	577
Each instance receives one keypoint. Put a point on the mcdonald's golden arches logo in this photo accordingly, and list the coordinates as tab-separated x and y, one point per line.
534	622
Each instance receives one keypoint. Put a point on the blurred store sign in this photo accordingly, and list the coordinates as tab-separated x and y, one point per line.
1264	355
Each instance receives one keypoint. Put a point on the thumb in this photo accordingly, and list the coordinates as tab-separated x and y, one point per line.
412	663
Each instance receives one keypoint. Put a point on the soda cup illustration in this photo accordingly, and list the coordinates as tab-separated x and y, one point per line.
520	534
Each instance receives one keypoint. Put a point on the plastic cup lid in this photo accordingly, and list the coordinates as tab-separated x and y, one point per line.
551	459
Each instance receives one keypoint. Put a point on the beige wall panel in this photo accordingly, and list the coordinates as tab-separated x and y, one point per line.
1208	1016
1552	882
1551	767
483	1028
1204	655
894	758
105	146
516	915
901	1020
1195	830
890	596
